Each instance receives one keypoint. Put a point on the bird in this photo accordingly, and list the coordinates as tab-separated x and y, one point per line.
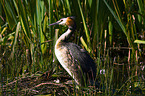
74	59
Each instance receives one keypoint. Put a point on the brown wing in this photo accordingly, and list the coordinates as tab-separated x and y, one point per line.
83	59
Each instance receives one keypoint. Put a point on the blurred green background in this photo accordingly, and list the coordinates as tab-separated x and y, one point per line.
112	31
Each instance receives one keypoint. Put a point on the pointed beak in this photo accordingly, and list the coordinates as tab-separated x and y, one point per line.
54	24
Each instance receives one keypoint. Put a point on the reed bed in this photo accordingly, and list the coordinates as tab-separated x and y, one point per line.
112	31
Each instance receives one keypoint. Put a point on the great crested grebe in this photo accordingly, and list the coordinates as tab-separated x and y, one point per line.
72	57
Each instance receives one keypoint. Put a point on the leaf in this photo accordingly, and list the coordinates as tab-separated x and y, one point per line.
15	40
139	41
85	45
10	13
84	23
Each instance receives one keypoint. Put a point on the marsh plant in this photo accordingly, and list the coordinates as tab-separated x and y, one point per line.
112	31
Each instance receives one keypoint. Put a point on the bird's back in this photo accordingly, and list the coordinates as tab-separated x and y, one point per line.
76	62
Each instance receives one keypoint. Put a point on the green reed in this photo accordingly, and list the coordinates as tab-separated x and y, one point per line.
107	29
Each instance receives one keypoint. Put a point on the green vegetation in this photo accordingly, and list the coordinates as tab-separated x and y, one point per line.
112	31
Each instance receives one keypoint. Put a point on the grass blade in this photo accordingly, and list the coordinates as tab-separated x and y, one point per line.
15	40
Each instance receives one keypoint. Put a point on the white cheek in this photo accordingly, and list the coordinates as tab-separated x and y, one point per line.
63	22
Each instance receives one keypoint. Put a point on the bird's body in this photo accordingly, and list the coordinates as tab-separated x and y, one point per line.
73	58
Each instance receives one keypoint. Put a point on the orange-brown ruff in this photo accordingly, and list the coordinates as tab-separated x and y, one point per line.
73	58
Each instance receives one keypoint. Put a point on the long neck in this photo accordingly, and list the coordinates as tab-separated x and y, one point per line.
65	36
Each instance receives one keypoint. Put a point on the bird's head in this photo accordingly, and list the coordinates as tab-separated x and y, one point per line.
69	21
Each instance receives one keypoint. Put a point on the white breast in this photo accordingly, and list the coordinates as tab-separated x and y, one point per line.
61	54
